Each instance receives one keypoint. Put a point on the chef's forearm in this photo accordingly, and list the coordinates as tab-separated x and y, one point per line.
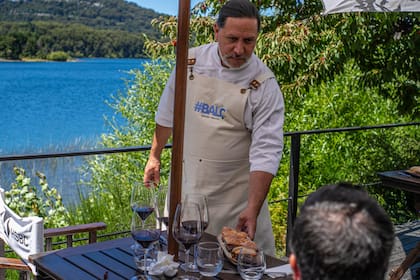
259	185
160	138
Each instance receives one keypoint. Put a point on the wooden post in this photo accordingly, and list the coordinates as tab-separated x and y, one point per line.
179	116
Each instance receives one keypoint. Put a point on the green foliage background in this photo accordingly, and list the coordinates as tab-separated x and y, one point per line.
335	71
39	39
106	28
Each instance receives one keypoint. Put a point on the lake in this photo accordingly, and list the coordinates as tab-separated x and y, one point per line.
57	106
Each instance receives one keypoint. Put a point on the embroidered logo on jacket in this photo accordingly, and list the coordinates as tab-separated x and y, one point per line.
211	111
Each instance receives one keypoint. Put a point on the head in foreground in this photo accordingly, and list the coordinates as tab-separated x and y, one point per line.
341	233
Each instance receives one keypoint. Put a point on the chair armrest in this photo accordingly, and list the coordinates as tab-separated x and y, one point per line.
51	232
69	231
11	263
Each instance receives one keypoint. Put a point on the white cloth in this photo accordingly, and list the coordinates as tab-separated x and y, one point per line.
264	110
24	235
344	6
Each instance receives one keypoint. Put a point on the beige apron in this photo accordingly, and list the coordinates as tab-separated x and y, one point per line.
216	152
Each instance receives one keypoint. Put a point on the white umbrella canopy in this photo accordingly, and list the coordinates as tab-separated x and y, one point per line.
343	6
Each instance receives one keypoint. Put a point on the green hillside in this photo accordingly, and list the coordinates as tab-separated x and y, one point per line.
80	28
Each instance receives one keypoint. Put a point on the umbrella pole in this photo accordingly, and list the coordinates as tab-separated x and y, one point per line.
179	116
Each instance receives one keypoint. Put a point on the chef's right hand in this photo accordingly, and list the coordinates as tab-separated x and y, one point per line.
152	172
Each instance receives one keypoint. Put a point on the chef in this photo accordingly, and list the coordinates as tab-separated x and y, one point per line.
233	136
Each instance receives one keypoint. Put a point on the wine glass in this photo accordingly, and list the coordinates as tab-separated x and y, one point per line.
163	213
251	266
143	203
210	258
143	198
187	228
201	200
145	230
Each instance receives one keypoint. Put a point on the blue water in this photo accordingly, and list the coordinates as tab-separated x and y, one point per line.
54	105
57	106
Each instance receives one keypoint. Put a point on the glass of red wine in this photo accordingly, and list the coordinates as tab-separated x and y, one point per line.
143	204
143	199
187	229
145	230
201	201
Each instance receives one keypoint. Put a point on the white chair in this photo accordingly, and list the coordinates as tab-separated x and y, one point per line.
25	236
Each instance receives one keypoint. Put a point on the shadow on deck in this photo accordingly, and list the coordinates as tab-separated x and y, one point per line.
407	236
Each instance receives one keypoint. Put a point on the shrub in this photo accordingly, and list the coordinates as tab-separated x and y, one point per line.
27	199
58	56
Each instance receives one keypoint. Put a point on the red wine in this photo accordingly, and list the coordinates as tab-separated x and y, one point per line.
187	241
189	233
143	211
191	227
146	237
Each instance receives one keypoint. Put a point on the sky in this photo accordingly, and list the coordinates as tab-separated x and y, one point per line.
169	7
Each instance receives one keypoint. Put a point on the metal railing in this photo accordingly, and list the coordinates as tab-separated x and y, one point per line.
294	165
293	168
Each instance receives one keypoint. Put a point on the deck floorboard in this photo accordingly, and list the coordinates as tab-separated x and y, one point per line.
407	236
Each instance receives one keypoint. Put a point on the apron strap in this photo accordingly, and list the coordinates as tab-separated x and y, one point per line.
191	61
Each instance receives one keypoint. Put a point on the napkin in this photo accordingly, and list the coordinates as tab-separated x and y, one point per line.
164	265
279	271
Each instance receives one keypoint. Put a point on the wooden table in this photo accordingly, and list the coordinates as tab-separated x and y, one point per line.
399	179
110	260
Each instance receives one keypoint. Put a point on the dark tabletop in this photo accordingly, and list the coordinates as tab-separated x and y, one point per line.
400	179
109	260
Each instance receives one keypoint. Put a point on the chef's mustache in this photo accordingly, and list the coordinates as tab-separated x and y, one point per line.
230	56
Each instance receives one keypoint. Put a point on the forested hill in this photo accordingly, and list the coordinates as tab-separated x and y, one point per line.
79	28
103	14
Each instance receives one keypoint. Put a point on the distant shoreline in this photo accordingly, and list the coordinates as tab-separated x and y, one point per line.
35	60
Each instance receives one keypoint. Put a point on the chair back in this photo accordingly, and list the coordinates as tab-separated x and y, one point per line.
24	235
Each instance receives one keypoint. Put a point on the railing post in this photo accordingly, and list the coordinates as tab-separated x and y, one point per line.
293	187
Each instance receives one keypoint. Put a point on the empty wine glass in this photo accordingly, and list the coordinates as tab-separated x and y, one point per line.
251	266
187	229
210	258
163	214
201	200
145	230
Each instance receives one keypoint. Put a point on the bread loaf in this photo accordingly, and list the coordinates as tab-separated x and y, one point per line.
415	170
234	238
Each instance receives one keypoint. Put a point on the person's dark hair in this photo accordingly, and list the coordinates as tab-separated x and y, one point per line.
342	233
238	9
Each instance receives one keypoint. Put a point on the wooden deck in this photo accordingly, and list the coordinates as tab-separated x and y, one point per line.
407	236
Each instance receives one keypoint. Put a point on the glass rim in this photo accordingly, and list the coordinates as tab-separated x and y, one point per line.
210	244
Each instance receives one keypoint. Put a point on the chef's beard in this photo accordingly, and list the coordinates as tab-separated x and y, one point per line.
224	59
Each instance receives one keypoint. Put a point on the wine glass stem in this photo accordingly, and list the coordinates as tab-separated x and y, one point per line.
187	256
195	255
146	275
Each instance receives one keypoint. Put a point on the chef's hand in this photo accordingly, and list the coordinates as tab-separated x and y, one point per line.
247	222
152	172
